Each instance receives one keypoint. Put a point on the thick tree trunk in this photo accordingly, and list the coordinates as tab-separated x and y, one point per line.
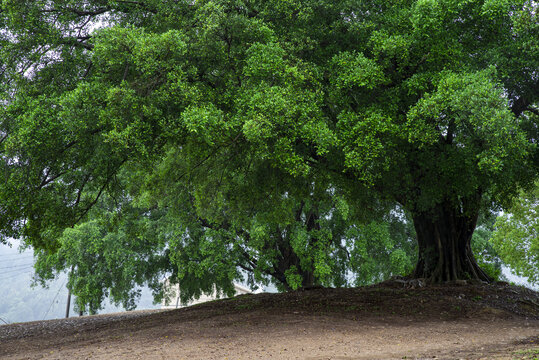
444	239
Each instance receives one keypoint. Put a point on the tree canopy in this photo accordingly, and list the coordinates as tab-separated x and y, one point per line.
270	119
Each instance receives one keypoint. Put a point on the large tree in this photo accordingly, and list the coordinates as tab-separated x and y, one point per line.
429	103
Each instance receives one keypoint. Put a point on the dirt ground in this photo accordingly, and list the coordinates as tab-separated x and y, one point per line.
386	321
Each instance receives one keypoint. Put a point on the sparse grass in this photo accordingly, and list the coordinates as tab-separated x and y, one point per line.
527	354
245	306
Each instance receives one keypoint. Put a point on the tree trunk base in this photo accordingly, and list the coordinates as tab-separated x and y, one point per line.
444	239
465	269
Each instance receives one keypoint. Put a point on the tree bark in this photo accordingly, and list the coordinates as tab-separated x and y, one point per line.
444	237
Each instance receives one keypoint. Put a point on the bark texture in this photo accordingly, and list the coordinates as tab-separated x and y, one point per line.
444	237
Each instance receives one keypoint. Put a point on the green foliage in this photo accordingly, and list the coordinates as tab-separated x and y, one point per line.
267	136
293	279
113	255
381	250
487	256
516	237
270	225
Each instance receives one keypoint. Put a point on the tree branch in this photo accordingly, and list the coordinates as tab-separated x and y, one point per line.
126	72
46	181
79	12
3	138
87	72
519	105
245	267
140	4
532	110
85	211
76	42
79	192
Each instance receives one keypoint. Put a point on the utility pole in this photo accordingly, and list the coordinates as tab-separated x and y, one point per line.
68	302
69	294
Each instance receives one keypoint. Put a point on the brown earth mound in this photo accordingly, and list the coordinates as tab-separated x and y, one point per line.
392	320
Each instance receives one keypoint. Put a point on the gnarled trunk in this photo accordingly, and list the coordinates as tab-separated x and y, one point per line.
444	237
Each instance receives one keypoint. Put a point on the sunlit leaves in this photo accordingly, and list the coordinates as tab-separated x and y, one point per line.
362	138
468	116
355	70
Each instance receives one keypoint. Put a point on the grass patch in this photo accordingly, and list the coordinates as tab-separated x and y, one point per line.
527	354
246	306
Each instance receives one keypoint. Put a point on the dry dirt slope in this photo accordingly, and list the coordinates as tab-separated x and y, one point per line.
387	321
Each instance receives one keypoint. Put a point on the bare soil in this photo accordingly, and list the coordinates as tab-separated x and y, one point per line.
386	321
